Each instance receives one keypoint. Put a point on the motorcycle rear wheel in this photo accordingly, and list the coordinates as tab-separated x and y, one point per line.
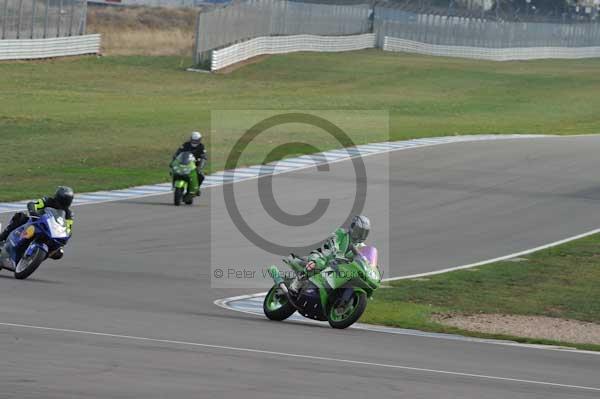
276	305
28	264
343	315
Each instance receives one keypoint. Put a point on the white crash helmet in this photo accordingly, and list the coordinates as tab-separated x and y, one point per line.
359	229
195	139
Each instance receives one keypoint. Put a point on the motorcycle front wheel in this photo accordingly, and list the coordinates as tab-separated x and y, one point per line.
178	196
28	264
276	305
342	314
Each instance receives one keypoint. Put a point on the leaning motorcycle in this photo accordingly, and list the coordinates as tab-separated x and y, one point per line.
338	294
29	245
185	178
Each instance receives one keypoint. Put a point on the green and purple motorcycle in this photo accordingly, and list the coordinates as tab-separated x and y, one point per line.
337	294
185	179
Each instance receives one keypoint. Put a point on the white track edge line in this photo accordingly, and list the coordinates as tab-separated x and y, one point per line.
309	357
499	259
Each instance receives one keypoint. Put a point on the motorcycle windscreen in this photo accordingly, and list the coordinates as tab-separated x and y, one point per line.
57	225
370	254
186	158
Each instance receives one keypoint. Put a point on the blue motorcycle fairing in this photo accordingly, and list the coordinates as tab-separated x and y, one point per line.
13	242
33	246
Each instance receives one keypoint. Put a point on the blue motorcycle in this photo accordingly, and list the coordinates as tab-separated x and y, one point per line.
29	245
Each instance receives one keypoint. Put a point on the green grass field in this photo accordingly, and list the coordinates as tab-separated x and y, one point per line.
109	122
558	282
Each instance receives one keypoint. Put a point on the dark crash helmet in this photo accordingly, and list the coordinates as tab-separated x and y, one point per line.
359	229
64	196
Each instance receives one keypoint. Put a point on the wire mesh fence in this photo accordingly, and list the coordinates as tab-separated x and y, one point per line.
501	10
39	19
422	21
157	3
242	21
480	32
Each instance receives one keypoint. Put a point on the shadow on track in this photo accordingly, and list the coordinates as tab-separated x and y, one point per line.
29	280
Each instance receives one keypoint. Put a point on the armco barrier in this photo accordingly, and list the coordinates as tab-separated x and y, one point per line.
24	49
493	54
288	44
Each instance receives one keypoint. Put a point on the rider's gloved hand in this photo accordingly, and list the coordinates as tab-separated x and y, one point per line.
31	209
310	266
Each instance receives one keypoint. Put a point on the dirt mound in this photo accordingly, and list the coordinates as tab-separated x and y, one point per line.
526	326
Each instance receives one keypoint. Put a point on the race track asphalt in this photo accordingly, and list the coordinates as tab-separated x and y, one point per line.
129	313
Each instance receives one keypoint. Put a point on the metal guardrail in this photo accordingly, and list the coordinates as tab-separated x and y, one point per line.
487	53
287	44
24	49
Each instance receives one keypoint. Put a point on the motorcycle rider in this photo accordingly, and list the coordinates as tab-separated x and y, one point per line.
338	245
62	200
195	146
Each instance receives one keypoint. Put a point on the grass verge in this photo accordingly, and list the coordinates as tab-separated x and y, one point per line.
560	282
143	30
110	122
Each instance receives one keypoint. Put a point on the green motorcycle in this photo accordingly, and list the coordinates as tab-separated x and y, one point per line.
185	179
337	294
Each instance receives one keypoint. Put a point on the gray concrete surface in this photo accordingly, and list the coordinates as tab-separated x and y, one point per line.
142	268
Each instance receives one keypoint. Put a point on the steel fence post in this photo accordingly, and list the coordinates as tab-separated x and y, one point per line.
83	17
33	10
4	19
71	19
46	19
197	40
19	19
58	19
